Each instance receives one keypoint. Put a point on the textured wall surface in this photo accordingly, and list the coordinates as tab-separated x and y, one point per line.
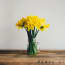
12	10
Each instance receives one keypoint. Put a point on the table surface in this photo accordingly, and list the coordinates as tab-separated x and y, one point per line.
20	57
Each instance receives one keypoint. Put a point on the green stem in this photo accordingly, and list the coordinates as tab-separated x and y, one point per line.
32	47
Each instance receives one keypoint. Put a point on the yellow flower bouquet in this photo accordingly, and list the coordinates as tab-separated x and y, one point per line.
32	25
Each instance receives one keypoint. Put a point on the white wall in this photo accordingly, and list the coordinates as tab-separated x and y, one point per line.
12	10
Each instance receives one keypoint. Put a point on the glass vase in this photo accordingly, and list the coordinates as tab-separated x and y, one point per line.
32	46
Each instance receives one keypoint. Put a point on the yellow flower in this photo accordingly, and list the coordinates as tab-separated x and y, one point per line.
20	23
47	26
30	22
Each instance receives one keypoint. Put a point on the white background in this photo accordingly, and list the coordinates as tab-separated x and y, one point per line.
12	10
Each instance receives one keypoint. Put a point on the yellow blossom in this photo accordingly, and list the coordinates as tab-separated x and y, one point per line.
30	22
